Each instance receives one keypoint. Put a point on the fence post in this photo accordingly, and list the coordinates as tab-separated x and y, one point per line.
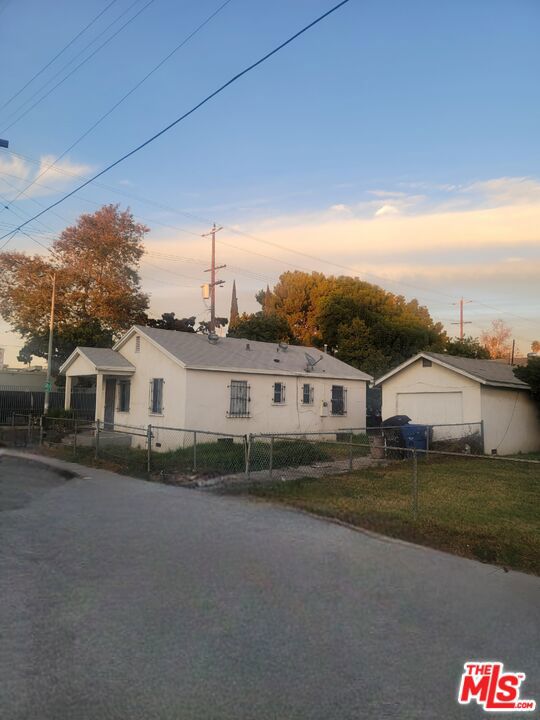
40	430
149	449
74	436
482	436
247	451
97	439
29	438
415	485
194	451
429	430
271	461
351	450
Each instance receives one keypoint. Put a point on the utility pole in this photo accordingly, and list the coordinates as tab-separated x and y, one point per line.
461	322
213	282
50	350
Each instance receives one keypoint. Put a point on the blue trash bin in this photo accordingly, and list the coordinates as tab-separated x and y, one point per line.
415	436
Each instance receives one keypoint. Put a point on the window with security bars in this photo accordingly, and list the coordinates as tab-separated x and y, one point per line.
123	395
278	396
156	396
339	400
307	394
239	399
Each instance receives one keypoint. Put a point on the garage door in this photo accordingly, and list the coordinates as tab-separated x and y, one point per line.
431	408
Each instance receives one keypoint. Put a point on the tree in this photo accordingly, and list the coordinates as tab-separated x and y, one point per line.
530	373
98	287
497	339
467	347
361	323
535	346
258	326
168	321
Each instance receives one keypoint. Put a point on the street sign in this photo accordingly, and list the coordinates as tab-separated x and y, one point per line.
47	386
4	143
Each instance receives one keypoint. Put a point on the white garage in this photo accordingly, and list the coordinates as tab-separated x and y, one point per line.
438	389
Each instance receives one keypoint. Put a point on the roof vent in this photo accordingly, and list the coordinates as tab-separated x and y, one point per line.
248	346
276	359
213	338
283	346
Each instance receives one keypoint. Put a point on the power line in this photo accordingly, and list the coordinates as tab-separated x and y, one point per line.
83	62
196	107
130	92
58	54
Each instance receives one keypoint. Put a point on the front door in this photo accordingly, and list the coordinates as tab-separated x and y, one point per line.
110	398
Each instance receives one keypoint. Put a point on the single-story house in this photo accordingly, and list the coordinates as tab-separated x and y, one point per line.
227	385
444	390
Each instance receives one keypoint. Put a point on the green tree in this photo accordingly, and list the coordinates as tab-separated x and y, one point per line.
530	373
361	323
168	321
258	326
467	347
98	286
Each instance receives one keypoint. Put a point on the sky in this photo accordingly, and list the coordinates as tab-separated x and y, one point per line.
397	142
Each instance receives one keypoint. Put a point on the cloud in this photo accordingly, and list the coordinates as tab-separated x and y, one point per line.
16	174
387	210
340	207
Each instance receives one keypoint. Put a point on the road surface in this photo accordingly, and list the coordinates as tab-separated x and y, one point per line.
126	600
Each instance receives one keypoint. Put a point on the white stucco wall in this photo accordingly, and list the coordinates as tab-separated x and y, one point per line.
511	423
208	399
151	363
435	379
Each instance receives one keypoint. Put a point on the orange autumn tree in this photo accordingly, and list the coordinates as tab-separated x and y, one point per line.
98	295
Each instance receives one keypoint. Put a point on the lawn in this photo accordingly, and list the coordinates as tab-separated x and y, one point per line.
481	508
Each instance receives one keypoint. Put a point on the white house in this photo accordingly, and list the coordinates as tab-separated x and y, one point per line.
227	385
436	389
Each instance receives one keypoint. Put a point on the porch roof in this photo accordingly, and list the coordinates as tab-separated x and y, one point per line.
99	360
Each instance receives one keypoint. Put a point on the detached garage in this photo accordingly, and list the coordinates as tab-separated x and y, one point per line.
438	389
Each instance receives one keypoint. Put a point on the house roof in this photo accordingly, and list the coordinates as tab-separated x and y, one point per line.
194	351
103	359
487	372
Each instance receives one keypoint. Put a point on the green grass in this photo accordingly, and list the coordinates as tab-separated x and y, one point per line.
480	508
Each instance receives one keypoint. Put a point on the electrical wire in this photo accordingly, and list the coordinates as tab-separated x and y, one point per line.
77	67
58	54
185	115
126	95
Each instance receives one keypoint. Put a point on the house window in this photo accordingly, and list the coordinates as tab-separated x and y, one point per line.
123	395
137	343
426	363
307	394
156	395
278	397
239	398
339	400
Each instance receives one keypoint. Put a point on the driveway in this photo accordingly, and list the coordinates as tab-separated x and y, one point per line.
126	600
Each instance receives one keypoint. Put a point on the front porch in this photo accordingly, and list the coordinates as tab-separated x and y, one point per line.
111	373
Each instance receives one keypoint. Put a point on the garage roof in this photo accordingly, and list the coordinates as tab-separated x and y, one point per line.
487	372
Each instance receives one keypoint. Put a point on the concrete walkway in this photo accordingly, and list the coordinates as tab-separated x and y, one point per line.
127	600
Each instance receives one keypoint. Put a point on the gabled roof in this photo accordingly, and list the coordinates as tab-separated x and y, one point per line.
103	359
194	351
486	372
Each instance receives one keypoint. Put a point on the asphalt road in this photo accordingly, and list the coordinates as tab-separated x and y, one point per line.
125	600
